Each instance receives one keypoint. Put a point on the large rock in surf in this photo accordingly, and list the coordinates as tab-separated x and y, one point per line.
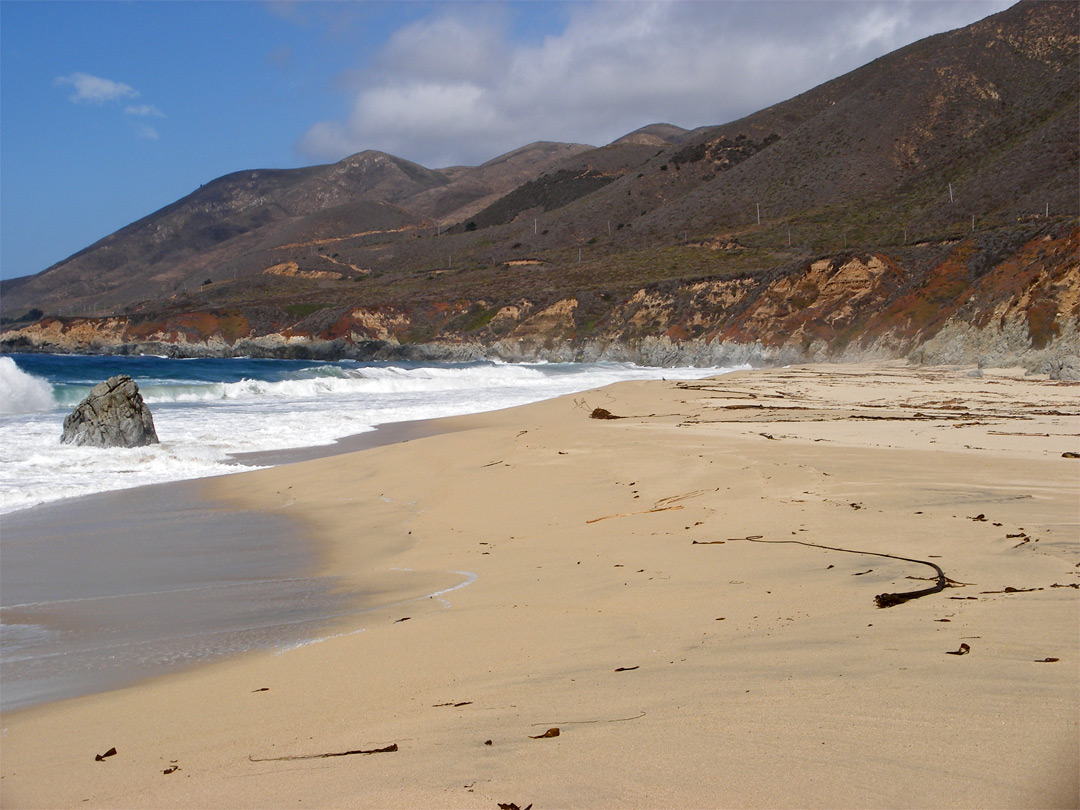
112	415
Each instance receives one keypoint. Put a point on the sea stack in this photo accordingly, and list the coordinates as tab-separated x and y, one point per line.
112	415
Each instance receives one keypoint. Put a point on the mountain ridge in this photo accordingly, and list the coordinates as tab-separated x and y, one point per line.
960	149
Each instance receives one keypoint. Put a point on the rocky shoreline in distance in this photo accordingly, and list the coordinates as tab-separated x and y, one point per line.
955	346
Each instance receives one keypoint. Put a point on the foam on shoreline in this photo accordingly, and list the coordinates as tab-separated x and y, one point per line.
49	655
208	411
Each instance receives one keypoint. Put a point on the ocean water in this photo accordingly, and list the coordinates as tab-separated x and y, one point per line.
207	410
109	573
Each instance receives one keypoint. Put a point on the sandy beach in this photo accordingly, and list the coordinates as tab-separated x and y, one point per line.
656	587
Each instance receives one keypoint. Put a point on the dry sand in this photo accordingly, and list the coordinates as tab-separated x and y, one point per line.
597	598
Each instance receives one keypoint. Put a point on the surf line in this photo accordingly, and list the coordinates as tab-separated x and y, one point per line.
211	586
882	600
470	578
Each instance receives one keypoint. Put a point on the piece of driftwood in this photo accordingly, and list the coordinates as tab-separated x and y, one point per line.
551	732
101	757
386	750
964	650
882	600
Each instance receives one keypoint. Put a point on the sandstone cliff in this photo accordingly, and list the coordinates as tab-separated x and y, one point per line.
945	303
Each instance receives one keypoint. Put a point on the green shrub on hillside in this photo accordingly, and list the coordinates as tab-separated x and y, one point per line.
303	310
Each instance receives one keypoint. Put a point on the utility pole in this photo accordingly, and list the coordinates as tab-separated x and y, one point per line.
759	213
579	255
973	223
950	192
534	226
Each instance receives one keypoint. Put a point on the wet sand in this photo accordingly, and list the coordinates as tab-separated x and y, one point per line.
102	591
632	583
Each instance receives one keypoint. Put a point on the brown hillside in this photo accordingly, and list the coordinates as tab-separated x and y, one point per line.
939	170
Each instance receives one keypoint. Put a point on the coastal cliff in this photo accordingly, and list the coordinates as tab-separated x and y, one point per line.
949	302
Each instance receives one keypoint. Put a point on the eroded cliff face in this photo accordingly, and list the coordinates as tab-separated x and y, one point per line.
1018	307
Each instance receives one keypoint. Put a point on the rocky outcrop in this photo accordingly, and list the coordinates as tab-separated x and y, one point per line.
959	302
292	270
112	415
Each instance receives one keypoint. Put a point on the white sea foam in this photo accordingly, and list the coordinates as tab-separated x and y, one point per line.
19	640
21	392
202	424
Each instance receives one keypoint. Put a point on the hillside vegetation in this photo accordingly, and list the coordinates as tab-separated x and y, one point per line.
923	205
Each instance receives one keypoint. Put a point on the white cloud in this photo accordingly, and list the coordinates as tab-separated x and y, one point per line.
94	89
456	89
144	110
450	49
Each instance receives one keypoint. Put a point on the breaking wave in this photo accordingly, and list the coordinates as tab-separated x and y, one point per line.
21	392
208	411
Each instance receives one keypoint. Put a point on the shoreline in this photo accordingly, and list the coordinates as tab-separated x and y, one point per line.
378	436
202	437
190	510
621	597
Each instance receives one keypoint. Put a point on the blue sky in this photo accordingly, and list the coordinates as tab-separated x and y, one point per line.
112	110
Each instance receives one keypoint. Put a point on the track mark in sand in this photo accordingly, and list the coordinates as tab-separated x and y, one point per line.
388	749
602	720
631	514
687	496
663	505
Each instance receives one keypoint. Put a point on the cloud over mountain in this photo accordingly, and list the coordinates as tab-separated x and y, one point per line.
459	88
